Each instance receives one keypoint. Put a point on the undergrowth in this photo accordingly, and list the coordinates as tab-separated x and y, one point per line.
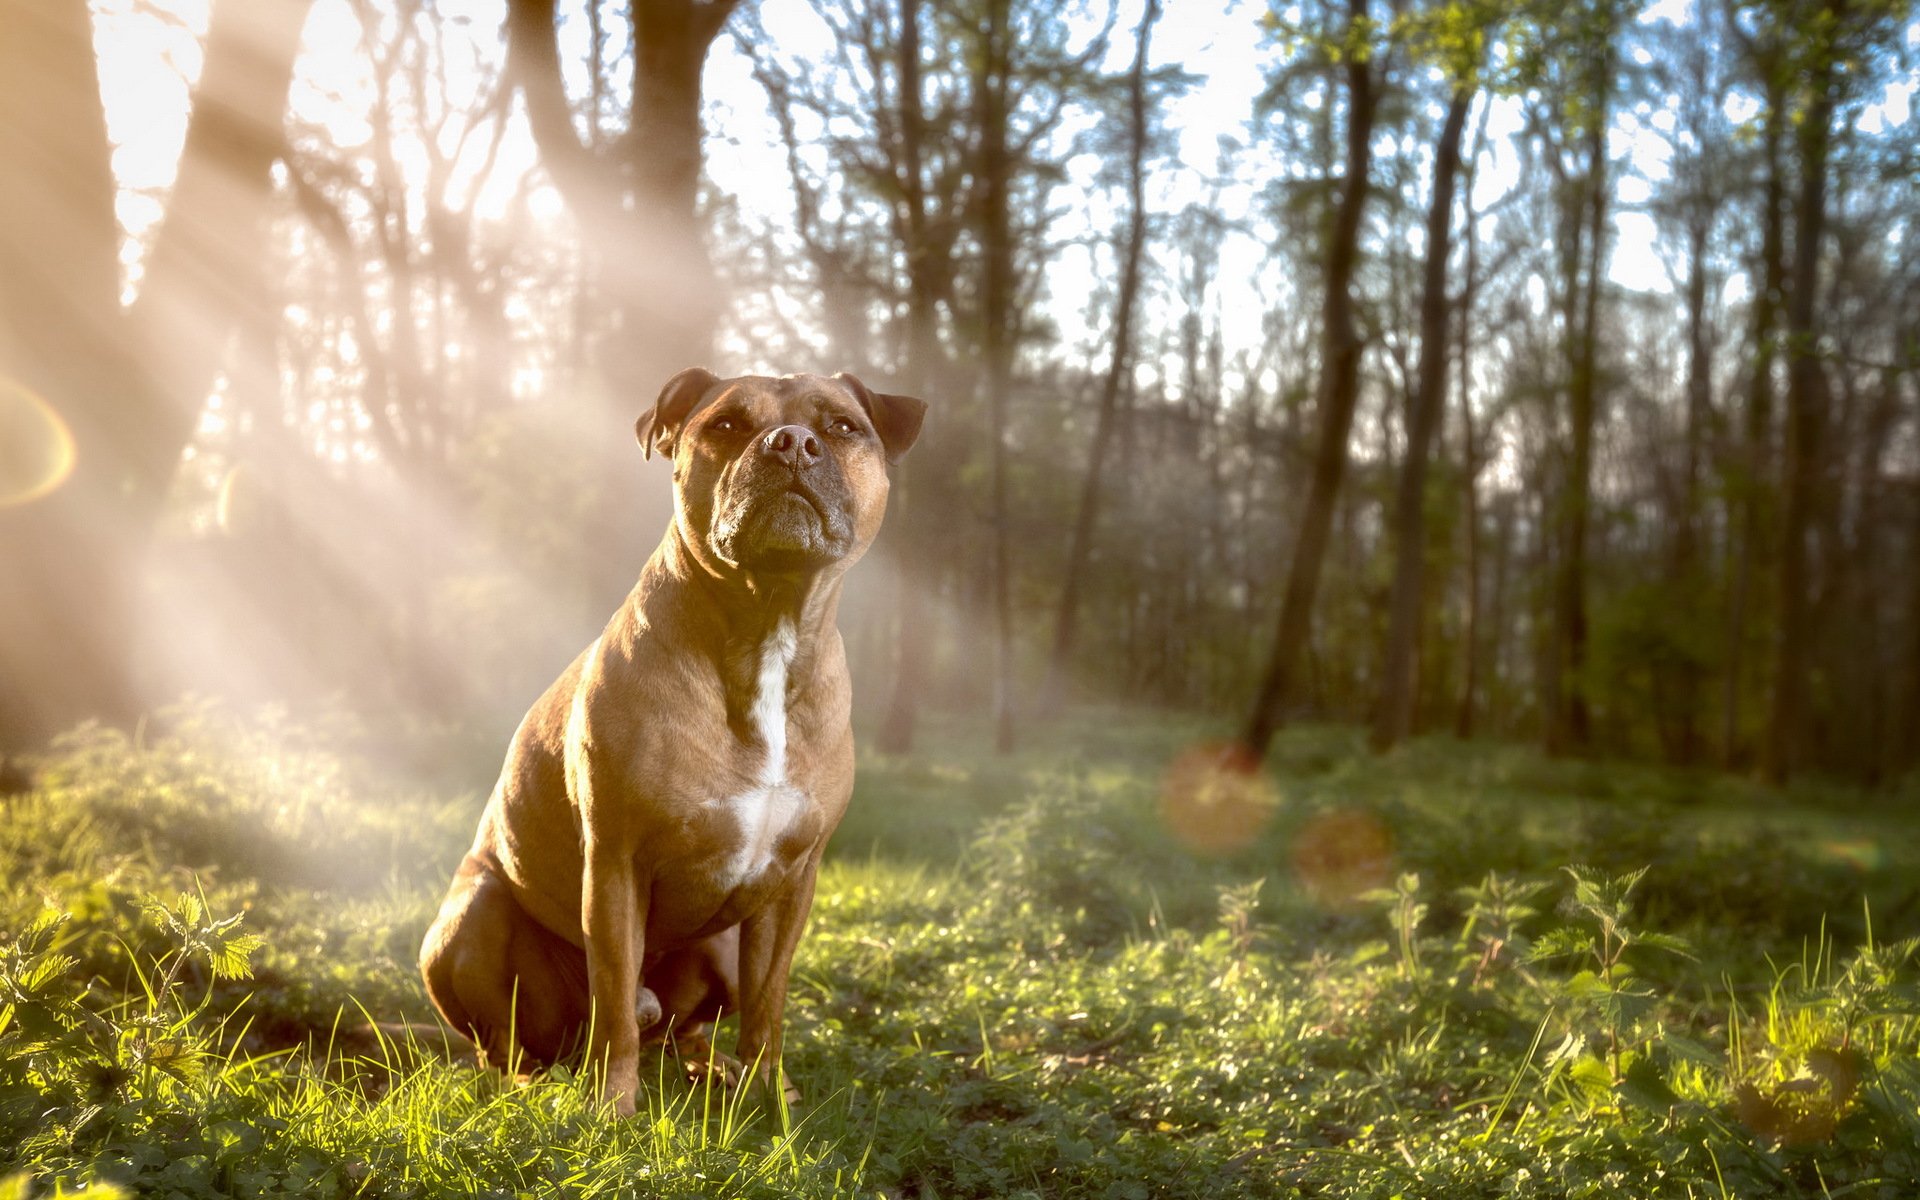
1455	971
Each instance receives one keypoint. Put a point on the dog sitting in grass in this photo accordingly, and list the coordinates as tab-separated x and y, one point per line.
646	861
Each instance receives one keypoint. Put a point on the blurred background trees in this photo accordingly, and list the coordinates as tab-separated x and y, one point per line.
1533	372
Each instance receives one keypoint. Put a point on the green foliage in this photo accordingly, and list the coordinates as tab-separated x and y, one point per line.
1606	988
1491	939
1453	36
1071	1007
259	799
1405	910
1053	863
78	1063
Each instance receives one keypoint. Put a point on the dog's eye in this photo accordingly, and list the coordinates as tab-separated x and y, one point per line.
724	425
843	427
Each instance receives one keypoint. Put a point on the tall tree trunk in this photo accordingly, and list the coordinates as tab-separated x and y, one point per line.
1872	694
1571	726
1553	535
634	203
1338	392
1754	473
914	477
128	385
1686	568
1394	718
1806	397
1081	546
1470	635
997	301
1471	456
68	554
1906	747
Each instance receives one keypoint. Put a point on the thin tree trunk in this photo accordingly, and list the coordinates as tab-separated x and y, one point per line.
1394	717
1906	747
1558	514
1872	758
914	477
1339	389
1080	549
1686	570
997	300
1754	472
1463	725
1806	395
1572	726
1470	635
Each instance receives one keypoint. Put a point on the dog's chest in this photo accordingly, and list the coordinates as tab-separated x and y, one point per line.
766	814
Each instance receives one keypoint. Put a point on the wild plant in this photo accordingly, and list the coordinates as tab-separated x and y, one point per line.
1238	907
1490	938
65	1059
1607	989
1829	1039
1405	911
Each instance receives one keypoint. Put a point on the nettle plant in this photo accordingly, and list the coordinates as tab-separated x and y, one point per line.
1491	939
68	1061
1606	991
1491	942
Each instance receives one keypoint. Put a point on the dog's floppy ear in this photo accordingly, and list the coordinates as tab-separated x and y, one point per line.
657	426
895	418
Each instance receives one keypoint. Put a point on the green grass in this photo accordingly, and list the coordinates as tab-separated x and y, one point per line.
1016	982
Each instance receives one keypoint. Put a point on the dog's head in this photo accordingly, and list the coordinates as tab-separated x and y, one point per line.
779	475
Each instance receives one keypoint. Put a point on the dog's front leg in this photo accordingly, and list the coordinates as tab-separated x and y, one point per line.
614	920
767	942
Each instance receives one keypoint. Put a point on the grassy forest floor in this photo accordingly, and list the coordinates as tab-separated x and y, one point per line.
1016	982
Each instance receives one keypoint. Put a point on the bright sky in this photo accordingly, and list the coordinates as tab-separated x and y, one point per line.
148	63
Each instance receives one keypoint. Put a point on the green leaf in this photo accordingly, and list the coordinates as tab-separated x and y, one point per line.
1559	943
230	959
1683	1047
1665	941
1644	1087
1593	1078
1587	985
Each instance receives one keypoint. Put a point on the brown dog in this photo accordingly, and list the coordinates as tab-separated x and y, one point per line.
647	859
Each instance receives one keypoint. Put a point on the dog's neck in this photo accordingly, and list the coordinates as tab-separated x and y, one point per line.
737	618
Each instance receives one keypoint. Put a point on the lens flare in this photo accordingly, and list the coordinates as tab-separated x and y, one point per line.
1215	799
1338	855
36	449
1862	854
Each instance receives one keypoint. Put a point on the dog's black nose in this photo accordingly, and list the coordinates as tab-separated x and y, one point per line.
794	445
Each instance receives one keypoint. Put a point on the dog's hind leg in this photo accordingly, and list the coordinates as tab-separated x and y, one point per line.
500	978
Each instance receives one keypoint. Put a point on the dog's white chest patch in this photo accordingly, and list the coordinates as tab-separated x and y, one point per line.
765	811
769	711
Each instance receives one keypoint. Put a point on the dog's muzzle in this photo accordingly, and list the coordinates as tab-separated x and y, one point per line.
786	505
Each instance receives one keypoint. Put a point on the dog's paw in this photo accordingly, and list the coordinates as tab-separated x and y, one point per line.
704	1060
735	1075
623	1104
